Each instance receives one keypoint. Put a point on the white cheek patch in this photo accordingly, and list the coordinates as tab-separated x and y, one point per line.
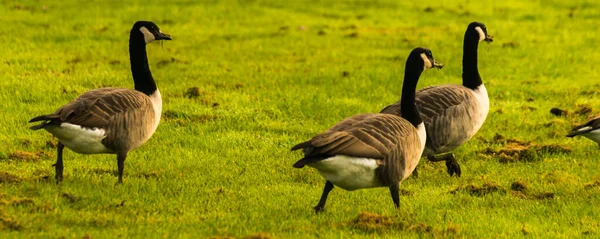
148	36
481	34
426	62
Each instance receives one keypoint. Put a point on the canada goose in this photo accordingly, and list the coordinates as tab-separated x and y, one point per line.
590	130
111	120
372	150
453	113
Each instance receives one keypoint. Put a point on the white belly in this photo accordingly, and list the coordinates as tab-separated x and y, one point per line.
593	135
349	173
80	140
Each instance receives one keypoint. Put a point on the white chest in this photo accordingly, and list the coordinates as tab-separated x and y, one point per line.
349	173
483	105
157	104
422	135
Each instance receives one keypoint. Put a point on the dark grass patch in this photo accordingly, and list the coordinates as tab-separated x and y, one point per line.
583	109
515	150
376	223
520	186
559	112
70	197
163	63
594	184
51	143
24	156
521	189
404	192
204	97
372	222
6	177
8	223
590	92
353	35
103	171
555	122
193	93
17	201
149	175
479	191
44	208
25	142
258	236
183	119
510	44
524	230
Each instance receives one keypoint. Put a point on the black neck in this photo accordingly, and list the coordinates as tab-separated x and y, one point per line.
408	108
140	70
470	75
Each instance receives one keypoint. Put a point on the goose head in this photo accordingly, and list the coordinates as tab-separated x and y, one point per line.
424	57
478	31
149	31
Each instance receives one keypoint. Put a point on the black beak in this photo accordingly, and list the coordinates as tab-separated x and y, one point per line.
163	36
488	38
437	65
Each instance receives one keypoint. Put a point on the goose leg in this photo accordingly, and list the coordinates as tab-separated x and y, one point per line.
451	163
121	165
326	190
58	166
395	192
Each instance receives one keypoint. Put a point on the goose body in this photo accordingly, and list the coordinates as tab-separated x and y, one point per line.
453	113
590	130
99	121
372	150
111	120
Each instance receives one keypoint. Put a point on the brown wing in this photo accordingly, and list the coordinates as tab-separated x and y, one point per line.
95	108
435	101
365	135
447	111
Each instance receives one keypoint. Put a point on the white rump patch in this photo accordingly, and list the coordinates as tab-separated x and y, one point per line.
349	173
481	33
79	139
426	62
148	36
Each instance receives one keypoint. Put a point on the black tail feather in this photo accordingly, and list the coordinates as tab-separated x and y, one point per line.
41	118
301	163
39	126
46	120
306	160
302	145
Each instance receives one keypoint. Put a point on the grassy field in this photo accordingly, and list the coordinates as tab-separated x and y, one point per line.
270	74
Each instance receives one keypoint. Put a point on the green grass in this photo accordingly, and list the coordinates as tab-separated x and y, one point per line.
226	170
